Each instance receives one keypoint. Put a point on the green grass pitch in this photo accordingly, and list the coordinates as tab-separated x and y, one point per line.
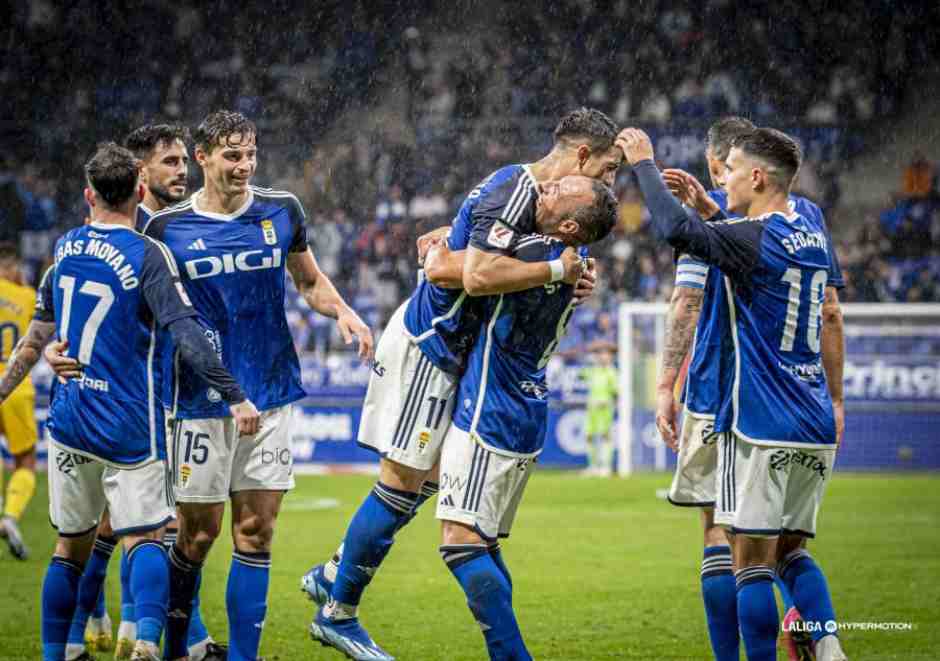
602	570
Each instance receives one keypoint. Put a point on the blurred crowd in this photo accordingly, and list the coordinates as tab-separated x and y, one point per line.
381	116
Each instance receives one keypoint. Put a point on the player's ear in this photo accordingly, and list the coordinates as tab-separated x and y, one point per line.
569	228
584	153
141	191
89	195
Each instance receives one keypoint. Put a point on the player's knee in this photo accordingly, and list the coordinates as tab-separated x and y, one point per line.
76	549
254	534
104	526
788	544
197	532
25	460
459	533
401	477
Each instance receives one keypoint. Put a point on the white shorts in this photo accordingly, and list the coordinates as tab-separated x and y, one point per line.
769	491
139	500
409	403
210	461
479	487
693	484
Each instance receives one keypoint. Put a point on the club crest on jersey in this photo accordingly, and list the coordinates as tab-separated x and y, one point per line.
270	235
213	395
500	237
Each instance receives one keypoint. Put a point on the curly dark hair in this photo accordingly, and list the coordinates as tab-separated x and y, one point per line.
218	127
143	140
587	126
780	152
723	131
597	219
113	172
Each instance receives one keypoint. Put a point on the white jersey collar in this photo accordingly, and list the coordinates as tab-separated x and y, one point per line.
222	216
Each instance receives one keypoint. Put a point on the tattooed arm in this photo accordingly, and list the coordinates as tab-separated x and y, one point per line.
25	355
681	320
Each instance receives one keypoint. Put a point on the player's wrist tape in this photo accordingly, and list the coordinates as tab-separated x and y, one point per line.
558	270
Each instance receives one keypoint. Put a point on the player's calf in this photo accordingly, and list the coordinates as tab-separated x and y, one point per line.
487	588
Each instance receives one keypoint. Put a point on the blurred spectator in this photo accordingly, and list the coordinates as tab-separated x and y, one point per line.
918	177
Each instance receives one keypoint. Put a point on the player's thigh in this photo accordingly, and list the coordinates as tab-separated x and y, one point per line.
18	423
751	488
76	492
401	477
694	481
201	452
478	487
140	499
263	462
409	402
809	474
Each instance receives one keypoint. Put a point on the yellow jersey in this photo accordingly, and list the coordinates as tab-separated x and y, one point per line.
16	311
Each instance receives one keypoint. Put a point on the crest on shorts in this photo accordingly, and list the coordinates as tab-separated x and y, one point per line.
270	235
185	472
423	439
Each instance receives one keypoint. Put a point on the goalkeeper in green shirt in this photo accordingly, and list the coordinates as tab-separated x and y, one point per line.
602	398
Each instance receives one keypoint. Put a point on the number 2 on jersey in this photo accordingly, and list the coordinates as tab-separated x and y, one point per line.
105	297
817	290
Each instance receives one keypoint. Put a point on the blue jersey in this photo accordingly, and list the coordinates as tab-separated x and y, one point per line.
233	267
493	217
502	397
712	343
143	217
110	290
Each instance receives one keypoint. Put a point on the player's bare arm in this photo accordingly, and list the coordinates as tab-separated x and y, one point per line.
832	347
486	273
681	320
25	355
322	297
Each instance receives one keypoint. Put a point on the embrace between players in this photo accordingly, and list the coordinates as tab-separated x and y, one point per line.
177	337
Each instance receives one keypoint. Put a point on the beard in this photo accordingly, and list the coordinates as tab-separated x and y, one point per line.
164	195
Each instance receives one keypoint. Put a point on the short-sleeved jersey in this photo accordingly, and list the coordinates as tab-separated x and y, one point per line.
777	269
493	217
143	217
712	343
109	292
502	400
233	268
16	311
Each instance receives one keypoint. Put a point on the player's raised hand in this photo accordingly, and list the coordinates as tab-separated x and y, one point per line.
690	192
247	418
584	288
425	241
64	367
574	266
636	145
350	325
666	415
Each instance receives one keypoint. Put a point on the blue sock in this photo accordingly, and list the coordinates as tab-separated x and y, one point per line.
757	612
810	591
246	600
497	555
428	490
101	607
184	585
369	538
489	597
197	628
127	601
91	588
150	588
721	606
784	593
59	596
